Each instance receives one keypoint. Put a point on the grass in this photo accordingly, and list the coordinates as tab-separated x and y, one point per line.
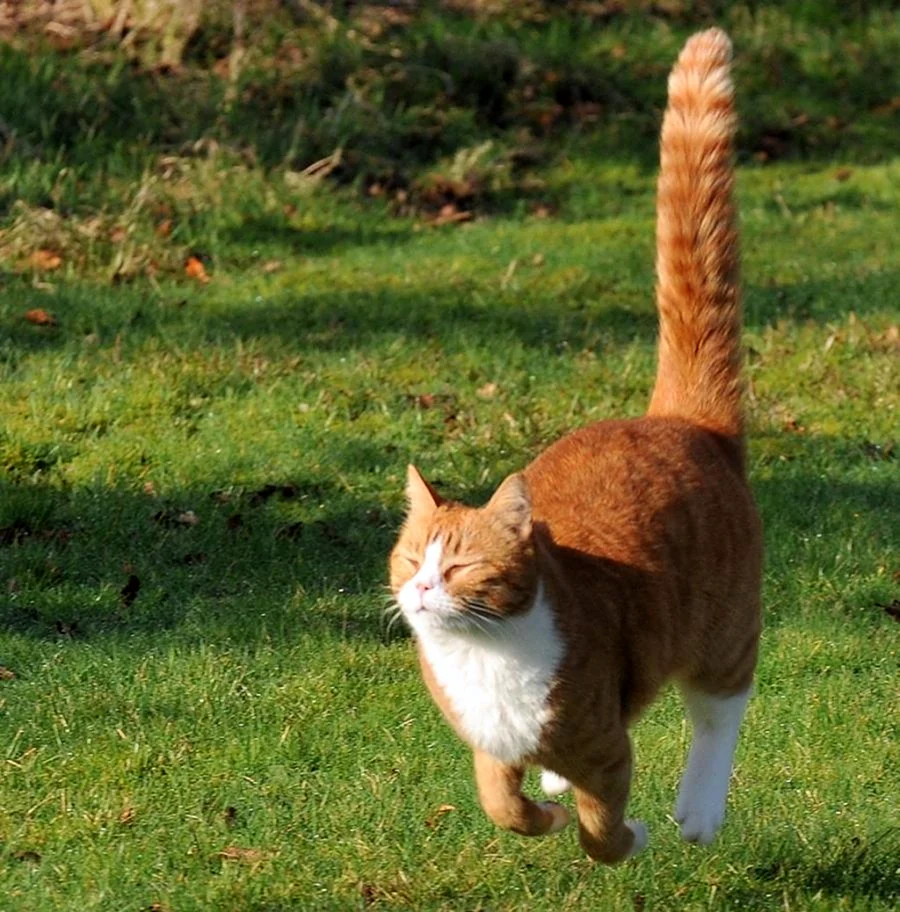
200	482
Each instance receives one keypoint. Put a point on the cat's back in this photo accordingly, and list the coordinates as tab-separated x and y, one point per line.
630	490
653	547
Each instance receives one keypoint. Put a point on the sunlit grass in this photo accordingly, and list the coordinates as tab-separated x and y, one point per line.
240	730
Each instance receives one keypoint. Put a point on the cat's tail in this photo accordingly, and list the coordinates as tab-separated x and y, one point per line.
699	372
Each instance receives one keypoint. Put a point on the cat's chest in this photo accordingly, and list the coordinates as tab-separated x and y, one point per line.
499	690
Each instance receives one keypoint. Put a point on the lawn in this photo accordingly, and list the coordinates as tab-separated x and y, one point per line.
216	362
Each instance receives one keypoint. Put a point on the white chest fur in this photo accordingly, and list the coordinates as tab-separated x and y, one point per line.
498	684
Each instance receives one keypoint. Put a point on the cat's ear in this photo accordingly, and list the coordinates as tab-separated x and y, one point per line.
511	503
422	498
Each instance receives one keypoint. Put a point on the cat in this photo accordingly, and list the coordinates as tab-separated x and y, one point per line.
627	554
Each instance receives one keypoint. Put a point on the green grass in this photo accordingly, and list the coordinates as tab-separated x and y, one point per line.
239	447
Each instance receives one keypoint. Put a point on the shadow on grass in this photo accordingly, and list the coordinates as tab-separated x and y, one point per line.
857	868
447	81
273	231
297	556
362	317
277	562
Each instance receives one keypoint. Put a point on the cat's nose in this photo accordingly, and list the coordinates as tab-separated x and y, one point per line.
423	586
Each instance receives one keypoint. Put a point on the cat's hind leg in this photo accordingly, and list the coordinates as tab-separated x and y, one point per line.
553	784
601	793
715	720
500	793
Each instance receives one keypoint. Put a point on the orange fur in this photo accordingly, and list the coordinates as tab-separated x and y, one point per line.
640	536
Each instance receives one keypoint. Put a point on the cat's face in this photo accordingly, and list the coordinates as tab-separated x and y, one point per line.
460	568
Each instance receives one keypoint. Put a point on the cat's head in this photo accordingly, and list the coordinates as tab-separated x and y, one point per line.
463	568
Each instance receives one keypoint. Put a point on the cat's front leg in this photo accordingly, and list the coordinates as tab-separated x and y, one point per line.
500	793
600	796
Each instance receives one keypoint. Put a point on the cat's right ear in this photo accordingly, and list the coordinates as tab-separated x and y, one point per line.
421	497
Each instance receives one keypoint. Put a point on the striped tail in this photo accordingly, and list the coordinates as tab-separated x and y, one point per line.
699	373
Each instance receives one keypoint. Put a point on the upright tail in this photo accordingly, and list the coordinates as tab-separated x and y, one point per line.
699	373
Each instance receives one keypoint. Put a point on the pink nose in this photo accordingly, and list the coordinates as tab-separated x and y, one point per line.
423	586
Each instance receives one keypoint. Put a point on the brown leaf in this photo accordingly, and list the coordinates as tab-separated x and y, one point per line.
271	266
130	591
236	853
543	210
889	108
194	269
488	391
127	816
45	260
435	817
843	174
587	111
6	674
449	215
66	629
892	610
40	317
174	518
164	228
195	557
27	855
425	400
234	522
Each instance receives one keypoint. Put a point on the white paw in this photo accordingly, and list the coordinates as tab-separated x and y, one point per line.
699	822
553	784
560	815
641	836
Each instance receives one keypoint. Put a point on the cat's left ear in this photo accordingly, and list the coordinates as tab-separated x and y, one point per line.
511	503
422	498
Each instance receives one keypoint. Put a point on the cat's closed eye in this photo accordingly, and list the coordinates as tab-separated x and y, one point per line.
460	568
412	561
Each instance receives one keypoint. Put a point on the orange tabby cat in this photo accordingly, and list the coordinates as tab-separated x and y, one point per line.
625	555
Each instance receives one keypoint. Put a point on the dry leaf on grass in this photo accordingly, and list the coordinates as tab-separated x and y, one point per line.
248	856
127	816
488	391
45	260
449	215
194	269
28	856
130	591
174	518
40	317
6	674
443	809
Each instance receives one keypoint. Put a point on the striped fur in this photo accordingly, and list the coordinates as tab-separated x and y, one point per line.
627	554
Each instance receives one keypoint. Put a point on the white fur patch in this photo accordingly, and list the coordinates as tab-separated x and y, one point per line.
700	808
497	677
553	784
